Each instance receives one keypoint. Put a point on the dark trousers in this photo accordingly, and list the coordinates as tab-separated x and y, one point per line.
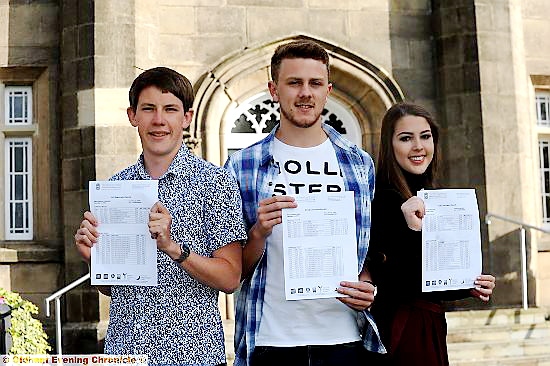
349	354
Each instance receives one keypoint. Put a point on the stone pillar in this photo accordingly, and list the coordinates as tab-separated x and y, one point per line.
78	166
487	144
413	51
97	57
459	102
510	144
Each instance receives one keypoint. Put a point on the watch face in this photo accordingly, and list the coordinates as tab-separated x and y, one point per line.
185	251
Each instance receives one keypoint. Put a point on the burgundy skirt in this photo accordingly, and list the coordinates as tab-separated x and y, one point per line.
419	335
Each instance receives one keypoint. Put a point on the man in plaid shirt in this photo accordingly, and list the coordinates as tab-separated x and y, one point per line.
301	155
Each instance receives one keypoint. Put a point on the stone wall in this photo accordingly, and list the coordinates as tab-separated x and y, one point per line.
536	27
29	55
413	51
194	36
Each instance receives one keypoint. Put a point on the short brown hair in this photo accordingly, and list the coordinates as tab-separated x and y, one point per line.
389	173
167	80
298	49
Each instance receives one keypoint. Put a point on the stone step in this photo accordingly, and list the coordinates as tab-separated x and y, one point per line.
473	318
514	332
508	337
505	361
511	337
480	351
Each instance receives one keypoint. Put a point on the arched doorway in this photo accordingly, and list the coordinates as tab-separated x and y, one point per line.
234	109
361	94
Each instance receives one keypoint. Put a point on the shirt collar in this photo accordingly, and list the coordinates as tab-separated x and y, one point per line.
176	167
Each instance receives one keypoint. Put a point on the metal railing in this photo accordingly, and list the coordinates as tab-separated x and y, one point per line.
56	297
5	338
523	248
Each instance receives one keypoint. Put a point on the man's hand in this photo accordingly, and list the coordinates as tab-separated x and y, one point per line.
414	210
86	236
159	226
361	294
270	214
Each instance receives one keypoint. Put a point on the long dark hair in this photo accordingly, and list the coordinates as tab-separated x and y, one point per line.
389	173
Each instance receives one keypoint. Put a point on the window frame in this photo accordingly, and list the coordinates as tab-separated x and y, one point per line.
10	230
24	130
9	91
542	98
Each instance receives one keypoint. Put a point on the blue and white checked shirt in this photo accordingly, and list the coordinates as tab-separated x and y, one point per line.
254	168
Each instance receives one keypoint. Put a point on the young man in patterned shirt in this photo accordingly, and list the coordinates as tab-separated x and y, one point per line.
198	228
301	155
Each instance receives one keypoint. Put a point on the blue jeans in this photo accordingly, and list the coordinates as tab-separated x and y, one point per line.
348	354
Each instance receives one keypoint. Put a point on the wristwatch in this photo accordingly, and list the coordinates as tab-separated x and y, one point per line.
185	251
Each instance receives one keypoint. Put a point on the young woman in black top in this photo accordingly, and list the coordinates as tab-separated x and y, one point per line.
412	323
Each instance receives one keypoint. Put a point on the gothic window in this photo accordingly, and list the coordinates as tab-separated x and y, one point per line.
332	120
258	116
253	119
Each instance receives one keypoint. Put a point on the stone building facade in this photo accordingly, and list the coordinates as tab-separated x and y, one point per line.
65	68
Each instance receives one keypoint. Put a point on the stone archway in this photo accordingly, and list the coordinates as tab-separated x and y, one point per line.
361	86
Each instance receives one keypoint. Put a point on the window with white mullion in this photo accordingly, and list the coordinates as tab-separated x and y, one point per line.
544	154
18	188
18	105
543	108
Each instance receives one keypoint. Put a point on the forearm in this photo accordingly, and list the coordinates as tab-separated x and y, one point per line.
252	251
220	272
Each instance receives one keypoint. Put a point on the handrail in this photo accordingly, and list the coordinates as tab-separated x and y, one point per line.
513	221
55	296
523	249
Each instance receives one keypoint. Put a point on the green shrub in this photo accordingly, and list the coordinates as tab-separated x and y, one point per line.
28	336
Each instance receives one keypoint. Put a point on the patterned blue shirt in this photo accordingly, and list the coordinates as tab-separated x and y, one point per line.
178	321
254	169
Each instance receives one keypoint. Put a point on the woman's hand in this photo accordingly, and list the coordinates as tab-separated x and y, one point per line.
361	294
484	287
413	210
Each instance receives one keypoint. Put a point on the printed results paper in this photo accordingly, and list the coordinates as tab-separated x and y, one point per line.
125	253
451	240
319	245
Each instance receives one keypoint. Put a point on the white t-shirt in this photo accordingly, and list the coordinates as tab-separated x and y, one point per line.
287	323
